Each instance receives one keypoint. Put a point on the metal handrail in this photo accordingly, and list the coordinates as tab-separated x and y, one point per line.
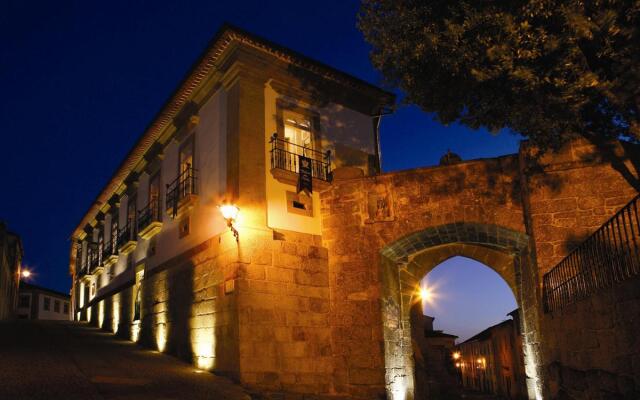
92	257
126	233
185	184
149	213
285	156
108	249
611	254
94	261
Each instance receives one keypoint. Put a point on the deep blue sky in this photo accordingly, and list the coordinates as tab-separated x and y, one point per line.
81	80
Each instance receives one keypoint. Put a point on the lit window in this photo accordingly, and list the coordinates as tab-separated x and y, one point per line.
186	155
297	130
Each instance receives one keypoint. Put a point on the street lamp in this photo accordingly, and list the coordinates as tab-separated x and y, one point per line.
230	214
25	274
425	293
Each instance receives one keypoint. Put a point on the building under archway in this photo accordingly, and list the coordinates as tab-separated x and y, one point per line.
475	343
406	261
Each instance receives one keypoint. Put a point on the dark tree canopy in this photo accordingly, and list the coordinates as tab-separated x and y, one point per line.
547	69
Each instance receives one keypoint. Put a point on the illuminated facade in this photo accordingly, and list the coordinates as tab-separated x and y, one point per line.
163	257
492	361
208	244
435	373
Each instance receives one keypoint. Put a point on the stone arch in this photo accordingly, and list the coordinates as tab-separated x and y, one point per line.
406	261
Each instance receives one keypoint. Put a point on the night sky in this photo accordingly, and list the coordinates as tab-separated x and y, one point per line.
80	81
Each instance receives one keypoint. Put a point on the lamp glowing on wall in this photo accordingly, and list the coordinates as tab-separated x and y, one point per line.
230	214
26	274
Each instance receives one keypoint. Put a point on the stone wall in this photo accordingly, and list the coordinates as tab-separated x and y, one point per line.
256	310
464	203
585	345
187	310
594	346
298	314
570	197
283	308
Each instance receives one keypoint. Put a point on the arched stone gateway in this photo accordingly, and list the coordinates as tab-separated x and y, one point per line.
384	233
407	260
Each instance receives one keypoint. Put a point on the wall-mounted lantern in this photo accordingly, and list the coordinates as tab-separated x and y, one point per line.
230	214
25	274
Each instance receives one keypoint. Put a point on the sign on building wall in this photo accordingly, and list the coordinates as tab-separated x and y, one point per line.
305	175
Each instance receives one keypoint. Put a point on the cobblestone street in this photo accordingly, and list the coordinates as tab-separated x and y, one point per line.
64	360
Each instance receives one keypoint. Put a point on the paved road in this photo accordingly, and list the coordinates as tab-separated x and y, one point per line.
65	360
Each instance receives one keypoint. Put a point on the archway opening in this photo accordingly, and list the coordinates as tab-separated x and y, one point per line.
466	333
405	261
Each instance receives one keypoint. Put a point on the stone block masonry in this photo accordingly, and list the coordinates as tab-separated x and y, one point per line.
294	315
595	347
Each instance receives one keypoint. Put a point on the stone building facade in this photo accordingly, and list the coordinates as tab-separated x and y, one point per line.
310	293
492	360
10	262
435	375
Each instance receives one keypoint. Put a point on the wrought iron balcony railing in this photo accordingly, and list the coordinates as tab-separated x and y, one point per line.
126	234
611	254
94	261
108	250
285	156
84	269
184	185
150	213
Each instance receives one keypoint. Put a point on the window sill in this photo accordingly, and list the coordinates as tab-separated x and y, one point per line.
150	230
127	247
109	261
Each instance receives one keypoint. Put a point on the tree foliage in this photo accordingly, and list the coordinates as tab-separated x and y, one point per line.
547	69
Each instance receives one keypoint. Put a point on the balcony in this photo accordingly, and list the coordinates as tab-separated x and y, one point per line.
109	254
84	274
285	163
150	220
95	266
182	193
127	238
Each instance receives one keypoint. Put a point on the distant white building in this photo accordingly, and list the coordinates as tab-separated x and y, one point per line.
35	302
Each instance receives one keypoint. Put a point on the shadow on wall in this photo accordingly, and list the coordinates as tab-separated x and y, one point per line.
123	310
147	336
356	141
497	179
180	299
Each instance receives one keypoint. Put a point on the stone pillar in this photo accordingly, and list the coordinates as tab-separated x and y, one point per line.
245	145
399	363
